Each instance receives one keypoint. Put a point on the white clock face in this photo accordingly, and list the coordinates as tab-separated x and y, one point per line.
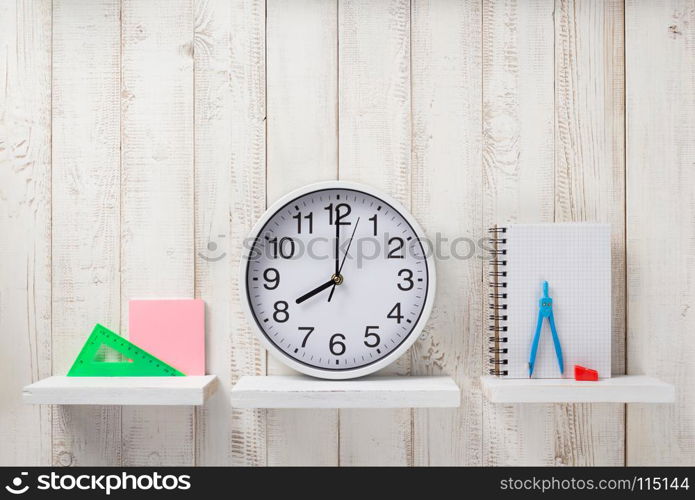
338	311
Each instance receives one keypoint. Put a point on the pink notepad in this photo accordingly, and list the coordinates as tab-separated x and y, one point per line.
172	330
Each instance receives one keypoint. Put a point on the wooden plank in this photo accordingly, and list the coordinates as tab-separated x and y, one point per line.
25	215
148	391
157	248
590	132
590	186
660	59
229	198
292	391
86	212
618	389
518	158
374	145
447	187
302	148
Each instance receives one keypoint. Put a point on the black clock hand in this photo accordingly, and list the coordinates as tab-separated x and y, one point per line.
337	244
348	247
316	290
336	279
330	295
340	268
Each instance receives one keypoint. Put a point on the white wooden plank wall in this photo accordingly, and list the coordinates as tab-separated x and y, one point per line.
446	199
140	140
229	162
660	101
157	198
86	211
518	149
590	186
25	226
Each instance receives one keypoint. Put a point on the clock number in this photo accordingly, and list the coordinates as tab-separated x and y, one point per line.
395	313
407	276
281	314
394	252
285	247
368	334
308	330
373	219
309	217
336	345
271	275
341	211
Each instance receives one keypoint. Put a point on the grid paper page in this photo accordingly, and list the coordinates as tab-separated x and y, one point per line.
575	259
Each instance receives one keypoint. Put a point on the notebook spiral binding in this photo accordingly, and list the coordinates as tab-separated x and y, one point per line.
498	302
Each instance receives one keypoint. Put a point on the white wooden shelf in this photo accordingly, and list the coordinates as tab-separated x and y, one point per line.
298	391
61	390
618	389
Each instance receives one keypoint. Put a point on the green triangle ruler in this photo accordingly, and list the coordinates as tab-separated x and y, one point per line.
141	364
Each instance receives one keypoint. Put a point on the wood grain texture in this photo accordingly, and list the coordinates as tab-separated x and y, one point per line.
157	216
25	226
617	389
375	149
590	132
518	159
447	190
376	391
143	391
302	148
660	60
590	186
86	212
585	184
229	198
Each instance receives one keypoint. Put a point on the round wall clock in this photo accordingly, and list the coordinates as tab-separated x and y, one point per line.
336	280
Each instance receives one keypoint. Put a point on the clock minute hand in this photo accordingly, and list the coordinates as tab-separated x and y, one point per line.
340	268
348	247
316	290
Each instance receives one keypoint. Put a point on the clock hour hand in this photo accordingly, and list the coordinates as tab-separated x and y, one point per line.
316	290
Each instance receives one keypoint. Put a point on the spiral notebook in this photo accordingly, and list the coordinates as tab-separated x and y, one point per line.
575	259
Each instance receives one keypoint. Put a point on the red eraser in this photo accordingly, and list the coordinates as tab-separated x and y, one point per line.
581	373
